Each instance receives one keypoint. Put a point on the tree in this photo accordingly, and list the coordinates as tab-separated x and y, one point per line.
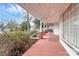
24	26
28	17
11	25
1	26
37	22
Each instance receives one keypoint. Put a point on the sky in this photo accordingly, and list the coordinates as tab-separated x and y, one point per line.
11	11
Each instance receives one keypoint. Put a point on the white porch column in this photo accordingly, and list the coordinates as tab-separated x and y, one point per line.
40	26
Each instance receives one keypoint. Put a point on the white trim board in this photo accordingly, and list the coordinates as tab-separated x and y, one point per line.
68	49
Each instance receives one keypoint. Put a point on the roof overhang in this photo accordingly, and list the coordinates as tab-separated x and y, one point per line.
47	12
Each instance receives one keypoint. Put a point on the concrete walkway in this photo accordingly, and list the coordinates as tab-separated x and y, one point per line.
47	47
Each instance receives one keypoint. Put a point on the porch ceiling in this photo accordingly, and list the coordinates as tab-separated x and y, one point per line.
49	13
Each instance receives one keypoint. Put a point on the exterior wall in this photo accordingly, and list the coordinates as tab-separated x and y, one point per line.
68	29
61	28
56	29
71	26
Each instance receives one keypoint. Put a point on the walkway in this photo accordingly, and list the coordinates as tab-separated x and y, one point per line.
47	47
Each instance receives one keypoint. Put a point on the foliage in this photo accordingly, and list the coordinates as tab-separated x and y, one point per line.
14	43
29	18
1	26
11	25
24	25
37	22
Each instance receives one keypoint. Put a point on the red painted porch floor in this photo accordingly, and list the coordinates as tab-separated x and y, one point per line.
47	47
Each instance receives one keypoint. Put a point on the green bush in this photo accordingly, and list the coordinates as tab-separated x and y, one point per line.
14	43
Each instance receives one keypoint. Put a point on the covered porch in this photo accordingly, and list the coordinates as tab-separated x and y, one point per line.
51	16
47	47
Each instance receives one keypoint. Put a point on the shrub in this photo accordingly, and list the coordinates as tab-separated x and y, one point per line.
14	43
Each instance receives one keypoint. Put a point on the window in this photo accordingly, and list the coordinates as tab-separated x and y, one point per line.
71	25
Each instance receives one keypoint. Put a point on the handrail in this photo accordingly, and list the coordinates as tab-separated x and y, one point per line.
34	34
